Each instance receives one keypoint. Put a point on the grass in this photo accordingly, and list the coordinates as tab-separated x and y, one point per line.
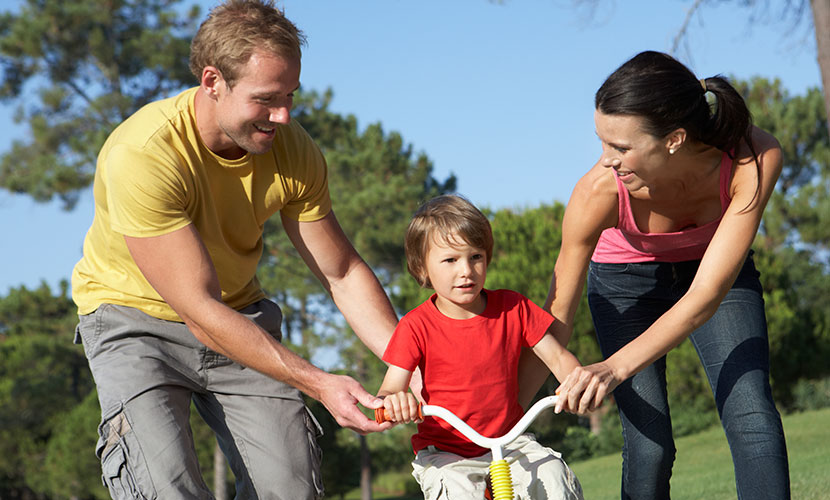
703	468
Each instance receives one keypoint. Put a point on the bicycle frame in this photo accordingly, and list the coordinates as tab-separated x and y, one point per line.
499	471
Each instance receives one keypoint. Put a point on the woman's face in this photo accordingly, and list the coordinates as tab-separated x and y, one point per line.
637	157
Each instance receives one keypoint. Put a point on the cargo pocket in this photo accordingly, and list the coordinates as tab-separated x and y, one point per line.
124	469
315	431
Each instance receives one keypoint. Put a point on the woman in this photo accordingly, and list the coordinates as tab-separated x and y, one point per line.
662	225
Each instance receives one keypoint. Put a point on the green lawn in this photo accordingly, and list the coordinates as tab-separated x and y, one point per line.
703	468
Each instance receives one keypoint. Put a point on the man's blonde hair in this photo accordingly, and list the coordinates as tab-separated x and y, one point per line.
232	32
444	217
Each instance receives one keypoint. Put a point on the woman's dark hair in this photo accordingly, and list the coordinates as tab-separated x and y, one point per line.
668	96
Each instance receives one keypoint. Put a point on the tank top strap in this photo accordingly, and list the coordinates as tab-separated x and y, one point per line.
625	217
727	165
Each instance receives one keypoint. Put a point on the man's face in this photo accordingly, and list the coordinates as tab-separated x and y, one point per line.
261	98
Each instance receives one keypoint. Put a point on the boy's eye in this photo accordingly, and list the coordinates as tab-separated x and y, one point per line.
621	149
478	256
448	259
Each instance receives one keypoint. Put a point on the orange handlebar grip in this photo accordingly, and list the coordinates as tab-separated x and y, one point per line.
381	416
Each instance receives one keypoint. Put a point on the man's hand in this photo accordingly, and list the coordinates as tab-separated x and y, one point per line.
341	394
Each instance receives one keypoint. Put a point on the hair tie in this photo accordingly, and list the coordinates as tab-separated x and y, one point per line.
703	84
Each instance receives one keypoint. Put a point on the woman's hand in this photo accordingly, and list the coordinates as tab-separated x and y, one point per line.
584	389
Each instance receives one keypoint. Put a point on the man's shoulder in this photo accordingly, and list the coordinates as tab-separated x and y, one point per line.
157	122
294	141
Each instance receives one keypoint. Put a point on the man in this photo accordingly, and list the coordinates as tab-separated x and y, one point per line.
170	309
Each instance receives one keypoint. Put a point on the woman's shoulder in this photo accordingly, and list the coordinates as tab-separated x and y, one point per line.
595	198
767	152
763	162
764	145
598	182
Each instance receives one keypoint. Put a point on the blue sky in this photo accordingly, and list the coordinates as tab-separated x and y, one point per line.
499	94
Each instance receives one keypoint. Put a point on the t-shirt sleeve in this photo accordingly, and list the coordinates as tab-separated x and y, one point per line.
536	321
404	350
145	196
308	175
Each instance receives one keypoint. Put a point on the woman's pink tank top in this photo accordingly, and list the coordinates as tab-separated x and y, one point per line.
626	243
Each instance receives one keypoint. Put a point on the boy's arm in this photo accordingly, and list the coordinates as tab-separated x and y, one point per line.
401	405
558	359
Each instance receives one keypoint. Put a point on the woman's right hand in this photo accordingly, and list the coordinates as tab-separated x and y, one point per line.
585	388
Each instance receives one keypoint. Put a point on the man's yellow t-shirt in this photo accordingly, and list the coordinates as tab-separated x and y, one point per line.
154	176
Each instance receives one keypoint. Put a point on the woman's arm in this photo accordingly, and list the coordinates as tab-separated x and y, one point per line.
751	187
591	209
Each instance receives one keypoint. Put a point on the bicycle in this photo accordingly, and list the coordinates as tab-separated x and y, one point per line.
500	480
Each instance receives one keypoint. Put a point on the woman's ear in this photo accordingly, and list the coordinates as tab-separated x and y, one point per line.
675	140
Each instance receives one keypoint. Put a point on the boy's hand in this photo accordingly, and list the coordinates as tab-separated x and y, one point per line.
401	407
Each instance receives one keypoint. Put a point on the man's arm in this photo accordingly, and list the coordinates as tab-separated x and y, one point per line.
180	269
344	274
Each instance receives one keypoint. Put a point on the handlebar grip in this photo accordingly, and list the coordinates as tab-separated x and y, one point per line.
381	416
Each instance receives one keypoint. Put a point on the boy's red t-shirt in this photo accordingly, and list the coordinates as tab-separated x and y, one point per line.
469	367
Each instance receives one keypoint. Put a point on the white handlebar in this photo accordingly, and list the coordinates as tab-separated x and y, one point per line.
494	443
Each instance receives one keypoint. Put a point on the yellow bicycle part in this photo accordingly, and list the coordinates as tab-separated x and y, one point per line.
500	480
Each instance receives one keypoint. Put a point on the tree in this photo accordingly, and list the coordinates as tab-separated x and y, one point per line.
89	64
793	243
42	377
820	10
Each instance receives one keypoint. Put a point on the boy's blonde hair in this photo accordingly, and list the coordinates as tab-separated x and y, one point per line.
444	217
235	29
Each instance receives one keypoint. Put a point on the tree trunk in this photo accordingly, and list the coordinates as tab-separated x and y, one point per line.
365	470
821	25
220	474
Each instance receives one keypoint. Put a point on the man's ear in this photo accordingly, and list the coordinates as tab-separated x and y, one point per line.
212	81
675	140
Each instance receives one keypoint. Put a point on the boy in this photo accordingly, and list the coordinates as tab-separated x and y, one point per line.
467	340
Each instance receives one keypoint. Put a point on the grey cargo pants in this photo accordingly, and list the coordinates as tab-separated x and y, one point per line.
147	371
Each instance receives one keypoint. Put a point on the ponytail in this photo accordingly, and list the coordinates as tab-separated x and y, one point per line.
664	92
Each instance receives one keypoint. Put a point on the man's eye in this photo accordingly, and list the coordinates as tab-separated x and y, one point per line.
621	150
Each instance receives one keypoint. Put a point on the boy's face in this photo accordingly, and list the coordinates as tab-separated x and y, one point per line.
457	272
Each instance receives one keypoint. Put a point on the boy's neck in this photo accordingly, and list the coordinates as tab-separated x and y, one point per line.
461	311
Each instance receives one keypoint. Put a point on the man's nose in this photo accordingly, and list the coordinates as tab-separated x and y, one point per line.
281	115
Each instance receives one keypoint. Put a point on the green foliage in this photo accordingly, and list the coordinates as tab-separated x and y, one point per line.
27	312
40	378
526	247
811	394
70	467
793	244
78	69
376	182
690	397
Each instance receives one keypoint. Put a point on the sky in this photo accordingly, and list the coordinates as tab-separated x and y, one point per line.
498	93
